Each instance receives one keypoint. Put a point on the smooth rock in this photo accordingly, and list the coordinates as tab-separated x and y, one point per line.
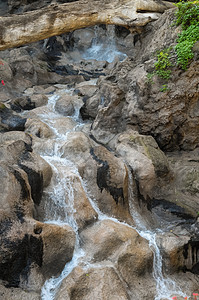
64	105
38	128
92	283
58	247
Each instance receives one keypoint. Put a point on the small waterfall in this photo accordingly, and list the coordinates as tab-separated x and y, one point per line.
59	209
165	287
105	49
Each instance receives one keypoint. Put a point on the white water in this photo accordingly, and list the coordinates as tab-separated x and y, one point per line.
61	211
105	50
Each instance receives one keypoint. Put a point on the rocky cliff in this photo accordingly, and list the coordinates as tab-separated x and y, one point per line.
88	189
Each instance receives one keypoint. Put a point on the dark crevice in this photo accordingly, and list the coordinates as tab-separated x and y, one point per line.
103	179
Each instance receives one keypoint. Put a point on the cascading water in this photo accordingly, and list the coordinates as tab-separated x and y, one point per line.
104	50
60	211
59	207
165	287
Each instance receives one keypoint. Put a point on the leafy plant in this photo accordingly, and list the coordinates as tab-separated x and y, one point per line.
163	64
164	88
150	77
187	16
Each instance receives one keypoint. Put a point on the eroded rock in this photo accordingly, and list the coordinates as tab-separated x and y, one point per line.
99	283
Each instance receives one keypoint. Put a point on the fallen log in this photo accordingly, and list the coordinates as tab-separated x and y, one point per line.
17	30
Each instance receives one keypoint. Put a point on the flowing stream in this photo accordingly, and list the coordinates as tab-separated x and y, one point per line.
59	209
104	50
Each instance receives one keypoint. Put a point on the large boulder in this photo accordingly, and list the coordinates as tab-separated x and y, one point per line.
32	251
38	128
92	283
109	240
123	246
66	199
65	105
106	175
148	163
9	120
20	159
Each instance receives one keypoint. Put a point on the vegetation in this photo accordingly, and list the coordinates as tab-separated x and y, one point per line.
163	64
187	16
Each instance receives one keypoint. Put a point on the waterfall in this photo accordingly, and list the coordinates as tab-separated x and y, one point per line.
105	49
165	287
59	211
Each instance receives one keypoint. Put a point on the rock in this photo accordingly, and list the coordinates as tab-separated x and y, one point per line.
184	188
130	100
20	103
14	136
84	212
15	191
179	248
106	176
38	128
39	174
108	240
148	162
40	90
6	71
83	39
175	250
91	103
16	293
106	125
39	100
20	248
68	191
35	251
90	107
10	120
77	145
58	247
64	124
86	90
22	162
65	106
99	283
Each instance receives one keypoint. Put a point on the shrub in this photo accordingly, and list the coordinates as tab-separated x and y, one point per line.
187	16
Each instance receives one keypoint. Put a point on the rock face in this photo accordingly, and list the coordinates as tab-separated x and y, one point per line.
80	284
106	175
130	100
27	254
98	181
108	241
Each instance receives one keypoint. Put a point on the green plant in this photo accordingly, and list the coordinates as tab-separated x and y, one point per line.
150	78
163	64
164	88
187	16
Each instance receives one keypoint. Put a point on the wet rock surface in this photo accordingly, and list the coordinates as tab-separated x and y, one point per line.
113	165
